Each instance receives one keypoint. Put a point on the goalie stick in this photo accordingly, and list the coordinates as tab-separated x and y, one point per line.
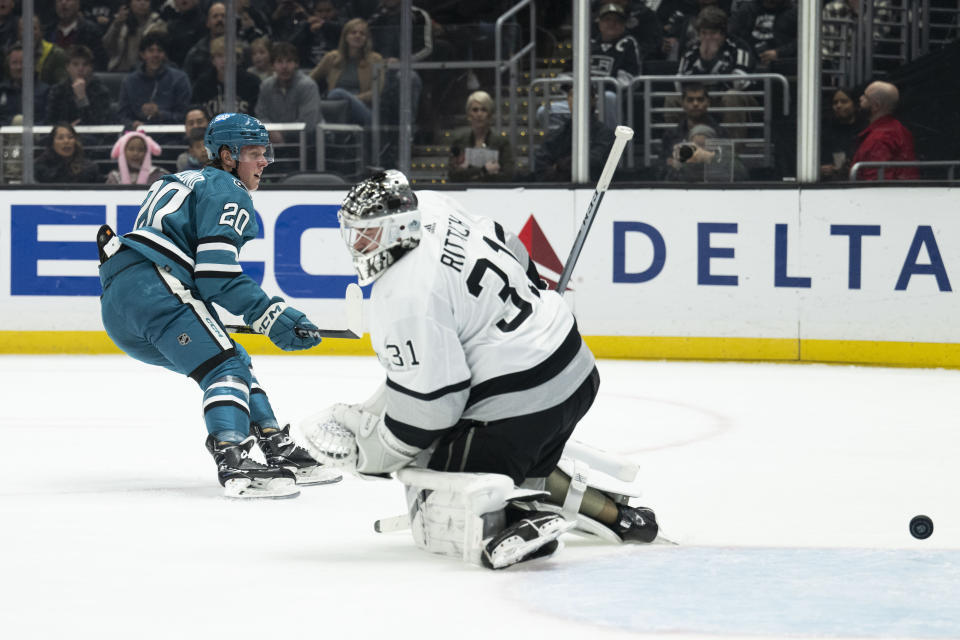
354	330
623	135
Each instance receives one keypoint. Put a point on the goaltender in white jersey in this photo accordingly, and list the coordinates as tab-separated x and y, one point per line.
486	378
464	334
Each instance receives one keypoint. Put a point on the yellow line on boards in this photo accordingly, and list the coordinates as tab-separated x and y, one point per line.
903	354
674	348
98	342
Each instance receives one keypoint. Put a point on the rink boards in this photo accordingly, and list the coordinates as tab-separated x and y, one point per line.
860	275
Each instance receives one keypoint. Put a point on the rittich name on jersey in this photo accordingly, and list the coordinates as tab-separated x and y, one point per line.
453	254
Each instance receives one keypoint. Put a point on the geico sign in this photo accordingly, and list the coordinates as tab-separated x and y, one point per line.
26	249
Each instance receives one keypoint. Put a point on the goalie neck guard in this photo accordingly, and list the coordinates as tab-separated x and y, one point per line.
380	222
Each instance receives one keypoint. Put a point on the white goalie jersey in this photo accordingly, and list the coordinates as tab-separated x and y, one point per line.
463	332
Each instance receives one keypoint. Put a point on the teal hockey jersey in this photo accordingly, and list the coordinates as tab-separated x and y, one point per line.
192	225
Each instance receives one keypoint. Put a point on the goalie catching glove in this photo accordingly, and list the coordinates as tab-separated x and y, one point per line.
350	437
286	327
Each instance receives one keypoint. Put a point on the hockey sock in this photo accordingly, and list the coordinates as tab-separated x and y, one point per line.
261	412
595	504
229	435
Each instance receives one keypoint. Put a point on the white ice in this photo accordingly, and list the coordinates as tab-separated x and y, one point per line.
788	487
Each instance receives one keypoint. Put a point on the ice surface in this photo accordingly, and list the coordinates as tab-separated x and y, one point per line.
789	487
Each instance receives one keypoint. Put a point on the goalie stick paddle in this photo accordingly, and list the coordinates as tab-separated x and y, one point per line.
354	330
622	135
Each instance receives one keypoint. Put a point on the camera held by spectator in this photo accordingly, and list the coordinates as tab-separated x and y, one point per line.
684	151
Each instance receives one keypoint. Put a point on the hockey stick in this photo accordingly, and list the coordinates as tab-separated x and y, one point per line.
394	523
354	300
622	136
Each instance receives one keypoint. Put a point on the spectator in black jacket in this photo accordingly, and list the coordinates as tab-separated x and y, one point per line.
11	89
554	157
839	134
72	28
319	34
696	111
252	22
155	92
185	26
769	26
63	160
642	23
208	89
716	53
8	24
100	12
613	54
198	57
81	98
286	20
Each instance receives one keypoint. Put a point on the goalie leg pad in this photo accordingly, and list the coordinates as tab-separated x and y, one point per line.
592	487
455	514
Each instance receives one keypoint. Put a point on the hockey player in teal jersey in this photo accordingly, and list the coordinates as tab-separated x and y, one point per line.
159	283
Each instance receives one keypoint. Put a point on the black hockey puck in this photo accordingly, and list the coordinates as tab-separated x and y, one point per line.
921	527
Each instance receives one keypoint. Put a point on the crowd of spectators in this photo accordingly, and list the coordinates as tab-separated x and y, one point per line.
291	54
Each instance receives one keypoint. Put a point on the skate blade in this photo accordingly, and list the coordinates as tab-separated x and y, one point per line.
316	475
661	539
245	489
508	553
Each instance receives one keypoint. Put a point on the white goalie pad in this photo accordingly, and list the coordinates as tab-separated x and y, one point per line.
608	472
612	464
589	467
452	513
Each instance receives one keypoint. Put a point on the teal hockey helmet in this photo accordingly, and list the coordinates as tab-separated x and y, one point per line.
236	131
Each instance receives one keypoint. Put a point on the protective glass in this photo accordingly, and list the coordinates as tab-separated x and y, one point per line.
255	153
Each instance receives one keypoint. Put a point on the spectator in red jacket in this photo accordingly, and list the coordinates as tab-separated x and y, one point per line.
885	139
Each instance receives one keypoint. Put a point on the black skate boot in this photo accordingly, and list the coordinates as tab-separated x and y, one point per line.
243	477
280	450
635	524
532	536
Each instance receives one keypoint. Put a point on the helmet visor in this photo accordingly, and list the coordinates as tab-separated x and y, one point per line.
254	153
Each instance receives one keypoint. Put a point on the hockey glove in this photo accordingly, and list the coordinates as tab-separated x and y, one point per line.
286	327
349	437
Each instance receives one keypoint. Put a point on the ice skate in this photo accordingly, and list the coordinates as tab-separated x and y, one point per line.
635	524
533	536
281	450
243	477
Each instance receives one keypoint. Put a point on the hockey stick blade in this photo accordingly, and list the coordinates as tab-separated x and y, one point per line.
389	525
622	135
354	301
301	332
